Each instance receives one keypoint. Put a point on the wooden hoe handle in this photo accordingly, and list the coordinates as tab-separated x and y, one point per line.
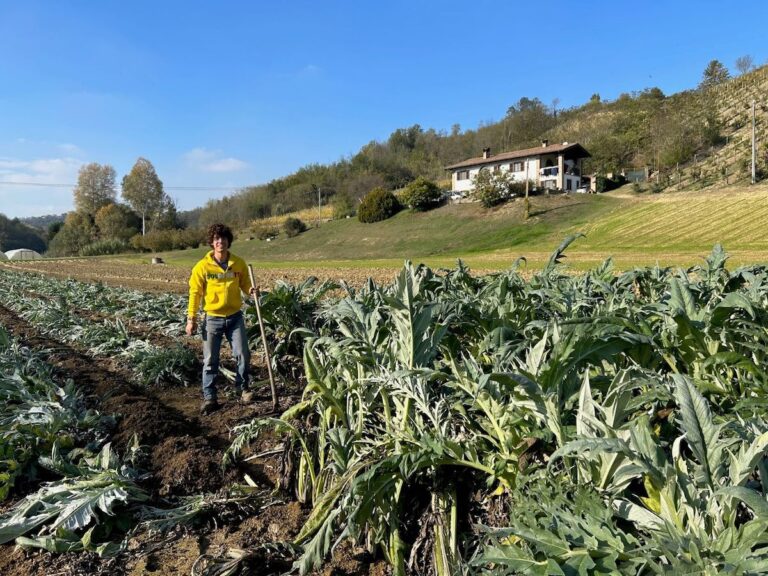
275	402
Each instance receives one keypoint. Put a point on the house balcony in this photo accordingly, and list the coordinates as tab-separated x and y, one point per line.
549	173
552	172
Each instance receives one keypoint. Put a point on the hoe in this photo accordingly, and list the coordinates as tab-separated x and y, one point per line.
275	402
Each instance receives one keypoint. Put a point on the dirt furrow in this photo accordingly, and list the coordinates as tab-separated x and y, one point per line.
184	453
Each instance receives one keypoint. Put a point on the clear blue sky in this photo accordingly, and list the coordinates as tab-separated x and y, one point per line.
228	94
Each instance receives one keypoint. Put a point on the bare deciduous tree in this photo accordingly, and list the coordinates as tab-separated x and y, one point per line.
744	64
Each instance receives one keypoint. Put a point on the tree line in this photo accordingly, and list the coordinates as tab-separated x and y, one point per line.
146	218
16	234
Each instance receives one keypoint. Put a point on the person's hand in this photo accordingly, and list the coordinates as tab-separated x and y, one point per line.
254	291
191	326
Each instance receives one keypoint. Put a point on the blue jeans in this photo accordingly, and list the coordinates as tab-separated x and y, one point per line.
215	329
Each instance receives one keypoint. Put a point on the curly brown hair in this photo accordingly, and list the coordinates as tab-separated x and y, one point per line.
220	230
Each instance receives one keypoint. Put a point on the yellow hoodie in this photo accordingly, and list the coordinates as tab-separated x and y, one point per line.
221	289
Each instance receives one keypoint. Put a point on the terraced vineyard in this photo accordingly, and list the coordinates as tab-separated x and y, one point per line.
440	423
686	221
676	228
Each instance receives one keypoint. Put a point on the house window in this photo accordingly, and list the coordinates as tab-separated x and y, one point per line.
497	168
462	175
568	184
517	167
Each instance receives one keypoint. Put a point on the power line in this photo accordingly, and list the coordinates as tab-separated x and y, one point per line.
204	187
41	185
35	184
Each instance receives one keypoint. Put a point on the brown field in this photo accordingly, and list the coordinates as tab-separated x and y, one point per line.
162	278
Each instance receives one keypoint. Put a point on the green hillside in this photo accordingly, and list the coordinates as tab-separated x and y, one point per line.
636	229
16	234
691	140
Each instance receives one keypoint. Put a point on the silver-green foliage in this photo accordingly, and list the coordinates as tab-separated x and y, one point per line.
36	413
53	307
78	512
443	380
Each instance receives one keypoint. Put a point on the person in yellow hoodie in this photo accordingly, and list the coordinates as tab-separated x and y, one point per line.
218	281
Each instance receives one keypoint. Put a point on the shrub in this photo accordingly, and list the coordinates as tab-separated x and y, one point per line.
377	205
164	240
105	246
156	241
343	207
421	194
605	184
492	188
188	238
264	232
293	227
517	188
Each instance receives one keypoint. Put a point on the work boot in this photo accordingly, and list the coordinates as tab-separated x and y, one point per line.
247	397
209	406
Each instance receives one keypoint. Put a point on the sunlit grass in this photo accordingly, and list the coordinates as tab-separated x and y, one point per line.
670	229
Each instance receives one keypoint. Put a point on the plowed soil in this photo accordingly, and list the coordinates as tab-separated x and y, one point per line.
184	451
164	278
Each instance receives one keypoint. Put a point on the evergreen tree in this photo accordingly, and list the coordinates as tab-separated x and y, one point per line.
77	232
715	73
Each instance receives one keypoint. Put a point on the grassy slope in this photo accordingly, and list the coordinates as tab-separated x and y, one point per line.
672	229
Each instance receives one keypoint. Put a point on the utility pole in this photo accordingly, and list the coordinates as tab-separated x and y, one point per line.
753	142
319	211
527	204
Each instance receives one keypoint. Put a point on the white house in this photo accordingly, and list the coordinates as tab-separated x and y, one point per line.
549	166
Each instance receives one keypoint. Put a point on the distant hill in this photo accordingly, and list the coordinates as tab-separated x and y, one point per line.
16	234
42	222
730	161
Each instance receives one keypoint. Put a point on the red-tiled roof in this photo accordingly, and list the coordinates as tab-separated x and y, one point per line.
528	152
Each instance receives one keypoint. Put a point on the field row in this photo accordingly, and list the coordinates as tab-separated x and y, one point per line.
53	306
567	402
